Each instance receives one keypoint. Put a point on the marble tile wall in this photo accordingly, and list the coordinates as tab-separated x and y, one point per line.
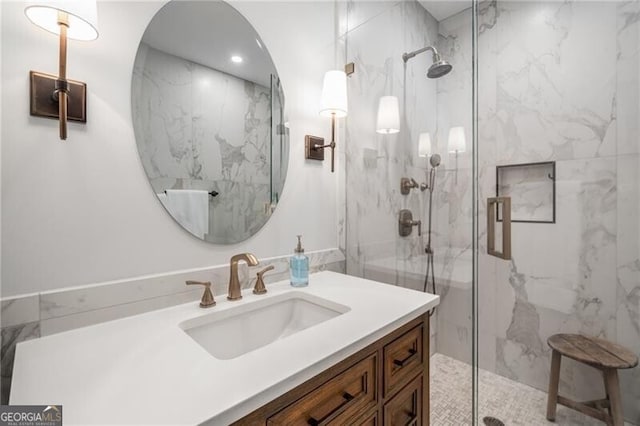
198	128
375	35
375	163
38	315
558	81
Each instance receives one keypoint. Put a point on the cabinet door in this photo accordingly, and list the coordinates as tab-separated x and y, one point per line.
342	398
405	409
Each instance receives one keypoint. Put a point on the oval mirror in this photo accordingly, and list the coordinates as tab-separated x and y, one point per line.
208	117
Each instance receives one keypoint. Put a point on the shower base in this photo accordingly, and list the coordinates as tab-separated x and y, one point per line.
513	403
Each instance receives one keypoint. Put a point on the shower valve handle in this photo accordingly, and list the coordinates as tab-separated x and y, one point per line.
406	223
417	223
407	184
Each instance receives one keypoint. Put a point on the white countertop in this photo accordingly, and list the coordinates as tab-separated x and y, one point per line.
146	370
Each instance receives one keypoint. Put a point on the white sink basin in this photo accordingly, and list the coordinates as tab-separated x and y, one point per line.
233	332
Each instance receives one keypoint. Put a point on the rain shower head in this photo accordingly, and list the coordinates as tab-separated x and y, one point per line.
434	160
439	67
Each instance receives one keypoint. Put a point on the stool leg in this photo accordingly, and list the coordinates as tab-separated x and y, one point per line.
554	380
612	386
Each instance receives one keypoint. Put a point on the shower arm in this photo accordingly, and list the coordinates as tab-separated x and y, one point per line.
407	56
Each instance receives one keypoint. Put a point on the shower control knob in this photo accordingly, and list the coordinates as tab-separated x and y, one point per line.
406	223
407	184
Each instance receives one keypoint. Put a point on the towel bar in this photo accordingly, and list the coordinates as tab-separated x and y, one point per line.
212	193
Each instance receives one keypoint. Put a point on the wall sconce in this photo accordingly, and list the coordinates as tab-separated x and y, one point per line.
388	121
55	96
457	143
334	105
424	145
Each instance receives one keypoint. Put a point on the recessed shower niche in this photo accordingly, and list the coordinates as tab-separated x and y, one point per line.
532	188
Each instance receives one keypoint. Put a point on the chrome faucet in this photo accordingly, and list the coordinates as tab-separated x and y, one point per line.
234	292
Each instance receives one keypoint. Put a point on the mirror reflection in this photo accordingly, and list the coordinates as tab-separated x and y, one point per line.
208	114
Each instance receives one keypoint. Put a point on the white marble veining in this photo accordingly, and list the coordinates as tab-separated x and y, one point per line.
71	301
124	354
558	81
199	128
19	310
375	163
52	312
377	37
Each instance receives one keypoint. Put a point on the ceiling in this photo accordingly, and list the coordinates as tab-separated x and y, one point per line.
209	33
444	9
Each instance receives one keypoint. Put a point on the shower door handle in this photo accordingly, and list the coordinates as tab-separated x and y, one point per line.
493	204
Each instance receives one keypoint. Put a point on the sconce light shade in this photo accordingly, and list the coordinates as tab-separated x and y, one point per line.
334	94
457	142
82	17
424	145
388	116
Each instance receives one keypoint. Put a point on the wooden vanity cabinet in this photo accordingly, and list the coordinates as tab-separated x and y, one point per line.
385	384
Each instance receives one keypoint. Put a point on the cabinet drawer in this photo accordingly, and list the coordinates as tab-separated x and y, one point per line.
402	359
336	401
405	409
371	420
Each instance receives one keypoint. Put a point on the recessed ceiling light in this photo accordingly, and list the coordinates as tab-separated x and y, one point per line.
236	59
259	44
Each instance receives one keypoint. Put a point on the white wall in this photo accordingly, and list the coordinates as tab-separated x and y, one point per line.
82	211
1	97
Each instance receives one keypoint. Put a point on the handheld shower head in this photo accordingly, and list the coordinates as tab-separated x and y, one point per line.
434	160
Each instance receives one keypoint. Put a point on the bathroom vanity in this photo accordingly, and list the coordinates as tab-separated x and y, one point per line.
344	350
385	383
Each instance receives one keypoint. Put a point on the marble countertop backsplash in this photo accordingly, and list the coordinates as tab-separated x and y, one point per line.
37	315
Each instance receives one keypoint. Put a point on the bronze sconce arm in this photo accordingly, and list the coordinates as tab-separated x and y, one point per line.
331	144
55	96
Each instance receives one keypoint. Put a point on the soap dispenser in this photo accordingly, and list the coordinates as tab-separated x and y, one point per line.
299	266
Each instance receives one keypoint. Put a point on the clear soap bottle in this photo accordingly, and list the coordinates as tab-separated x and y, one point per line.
299	266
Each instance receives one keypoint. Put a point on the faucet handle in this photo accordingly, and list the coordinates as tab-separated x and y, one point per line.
260	287
207	297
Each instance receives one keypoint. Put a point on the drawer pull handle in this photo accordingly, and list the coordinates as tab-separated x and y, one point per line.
347	398
402	362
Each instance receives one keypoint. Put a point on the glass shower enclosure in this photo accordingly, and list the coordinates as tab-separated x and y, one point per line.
537	122
415	174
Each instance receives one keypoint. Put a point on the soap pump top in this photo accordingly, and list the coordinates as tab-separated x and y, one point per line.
299	248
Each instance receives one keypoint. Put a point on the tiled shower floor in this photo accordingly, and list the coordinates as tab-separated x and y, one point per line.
511	402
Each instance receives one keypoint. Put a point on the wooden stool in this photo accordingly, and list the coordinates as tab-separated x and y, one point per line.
598	353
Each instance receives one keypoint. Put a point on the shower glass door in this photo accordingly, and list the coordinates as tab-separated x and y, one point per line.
401	50
557	114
